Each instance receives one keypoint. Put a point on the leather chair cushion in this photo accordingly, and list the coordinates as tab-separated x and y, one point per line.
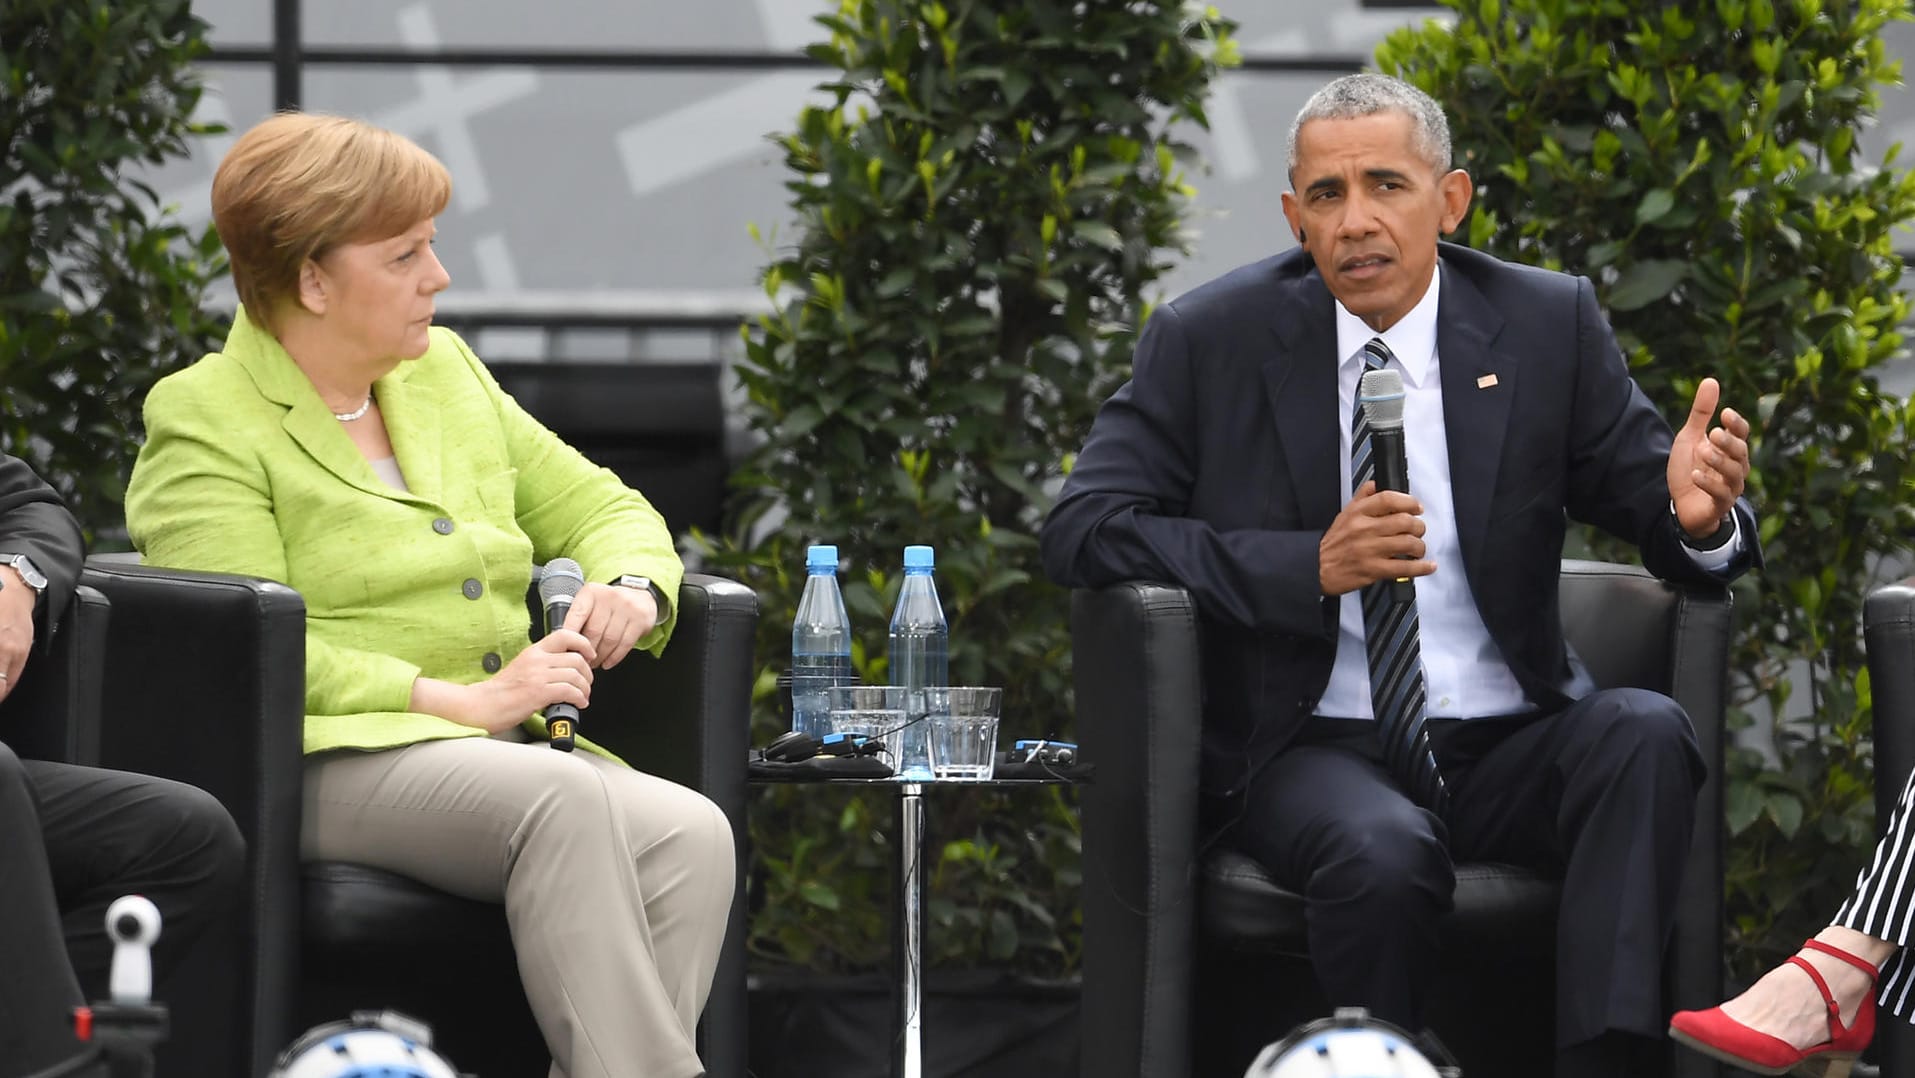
1507	909
350	909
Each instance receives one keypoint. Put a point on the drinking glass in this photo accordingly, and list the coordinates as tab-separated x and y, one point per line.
873	711
963	732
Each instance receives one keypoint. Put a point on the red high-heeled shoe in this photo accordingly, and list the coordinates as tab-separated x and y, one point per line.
1716	1034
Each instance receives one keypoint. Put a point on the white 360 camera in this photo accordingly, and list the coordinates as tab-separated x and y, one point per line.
134	923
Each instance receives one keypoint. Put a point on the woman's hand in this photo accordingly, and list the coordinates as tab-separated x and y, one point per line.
612	619
557	669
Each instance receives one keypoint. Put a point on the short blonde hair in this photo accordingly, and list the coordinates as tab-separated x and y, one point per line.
300	184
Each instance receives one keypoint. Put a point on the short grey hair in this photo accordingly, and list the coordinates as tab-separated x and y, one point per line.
1367	94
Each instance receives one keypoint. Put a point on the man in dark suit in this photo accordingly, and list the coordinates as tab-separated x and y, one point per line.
1354	742
73	839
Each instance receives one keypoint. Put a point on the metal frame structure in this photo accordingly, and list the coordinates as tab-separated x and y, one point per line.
289	57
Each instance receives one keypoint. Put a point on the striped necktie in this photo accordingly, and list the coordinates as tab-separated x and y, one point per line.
1393	646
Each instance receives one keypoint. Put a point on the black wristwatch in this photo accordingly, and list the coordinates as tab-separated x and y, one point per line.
1716	540
645	583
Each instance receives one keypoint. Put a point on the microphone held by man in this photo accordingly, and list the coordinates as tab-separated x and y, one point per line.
1380	395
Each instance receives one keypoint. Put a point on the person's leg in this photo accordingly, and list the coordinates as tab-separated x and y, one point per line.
541	832
1604	793
38	991
682	853
1327	822
1786	1004
1873	925
112	833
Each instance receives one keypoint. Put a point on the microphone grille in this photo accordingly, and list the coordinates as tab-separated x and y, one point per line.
1381	395
561	578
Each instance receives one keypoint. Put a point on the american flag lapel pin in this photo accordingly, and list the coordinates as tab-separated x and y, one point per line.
1486	381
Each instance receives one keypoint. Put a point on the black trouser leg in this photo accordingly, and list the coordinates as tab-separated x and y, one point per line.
37	990
1604	793
110	833
1326	821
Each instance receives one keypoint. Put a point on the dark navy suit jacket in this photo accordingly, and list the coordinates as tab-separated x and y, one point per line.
1216	468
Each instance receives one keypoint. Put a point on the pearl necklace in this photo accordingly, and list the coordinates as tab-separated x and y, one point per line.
356	413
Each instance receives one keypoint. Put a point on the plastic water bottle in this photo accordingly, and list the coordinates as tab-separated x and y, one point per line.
920	656
820	643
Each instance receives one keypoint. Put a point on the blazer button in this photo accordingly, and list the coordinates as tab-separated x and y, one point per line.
442	526
491	662
472	588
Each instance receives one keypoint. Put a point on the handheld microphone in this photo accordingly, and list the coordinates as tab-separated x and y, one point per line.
1380	395
561	579
134	923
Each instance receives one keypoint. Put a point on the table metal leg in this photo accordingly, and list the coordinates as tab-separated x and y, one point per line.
908	934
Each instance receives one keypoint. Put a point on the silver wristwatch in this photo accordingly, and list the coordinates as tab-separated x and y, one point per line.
29	572
644	583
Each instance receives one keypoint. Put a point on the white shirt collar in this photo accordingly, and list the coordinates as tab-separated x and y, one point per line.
1412	339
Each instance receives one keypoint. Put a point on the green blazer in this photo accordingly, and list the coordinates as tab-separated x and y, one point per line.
245	470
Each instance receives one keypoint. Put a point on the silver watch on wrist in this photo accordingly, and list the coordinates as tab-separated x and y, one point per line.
644	583
29	572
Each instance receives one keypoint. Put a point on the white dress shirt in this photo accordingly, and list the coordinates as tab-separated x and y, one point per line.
1464	674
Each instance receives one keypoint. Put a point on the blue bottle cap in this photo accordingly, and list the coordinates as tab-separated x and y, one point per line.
822	557
919	557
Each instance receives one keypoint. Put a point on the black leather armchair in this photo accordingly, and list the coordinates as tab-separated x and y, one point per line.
1888	630
1179	936
54	712
207	686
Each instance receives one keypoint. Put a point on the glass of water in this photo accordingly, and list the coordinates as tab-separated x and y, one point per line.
872	711
963	732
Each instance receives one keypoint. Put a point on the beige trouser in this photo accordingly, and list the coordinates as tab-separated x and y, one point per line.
616	883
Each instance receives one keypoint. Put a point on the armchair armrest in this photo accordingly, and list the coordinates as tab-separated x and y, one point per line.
205	684
1139	711
1703	632
1888	631
1634	630
54	712
686	716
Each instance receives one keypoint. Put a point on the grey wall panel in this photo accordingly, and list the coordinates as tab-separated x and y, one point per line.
237	23
588	181
734	25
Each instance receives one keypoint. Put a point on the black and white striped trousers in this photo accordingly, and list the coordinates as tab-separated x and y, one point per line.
1883	904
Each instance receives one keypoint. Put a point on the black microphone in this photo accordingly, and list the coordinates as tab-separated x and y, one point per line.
1380	395
560	580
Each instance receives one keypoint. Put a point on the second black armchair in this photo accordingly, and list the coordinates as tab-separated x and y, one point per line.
1179	938
206	684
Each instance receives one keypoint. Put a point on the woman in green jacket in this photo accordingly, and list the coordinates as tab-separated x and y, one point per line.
341	444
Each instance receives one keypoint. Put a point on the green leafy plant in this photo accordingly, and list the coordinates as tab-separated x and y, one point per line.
981	207
1700	163
100	289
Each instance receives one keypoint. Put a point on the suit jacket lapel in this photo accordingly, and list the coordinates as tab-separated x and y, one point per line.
412	420
1300	378
308	421
312	425
1478	384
